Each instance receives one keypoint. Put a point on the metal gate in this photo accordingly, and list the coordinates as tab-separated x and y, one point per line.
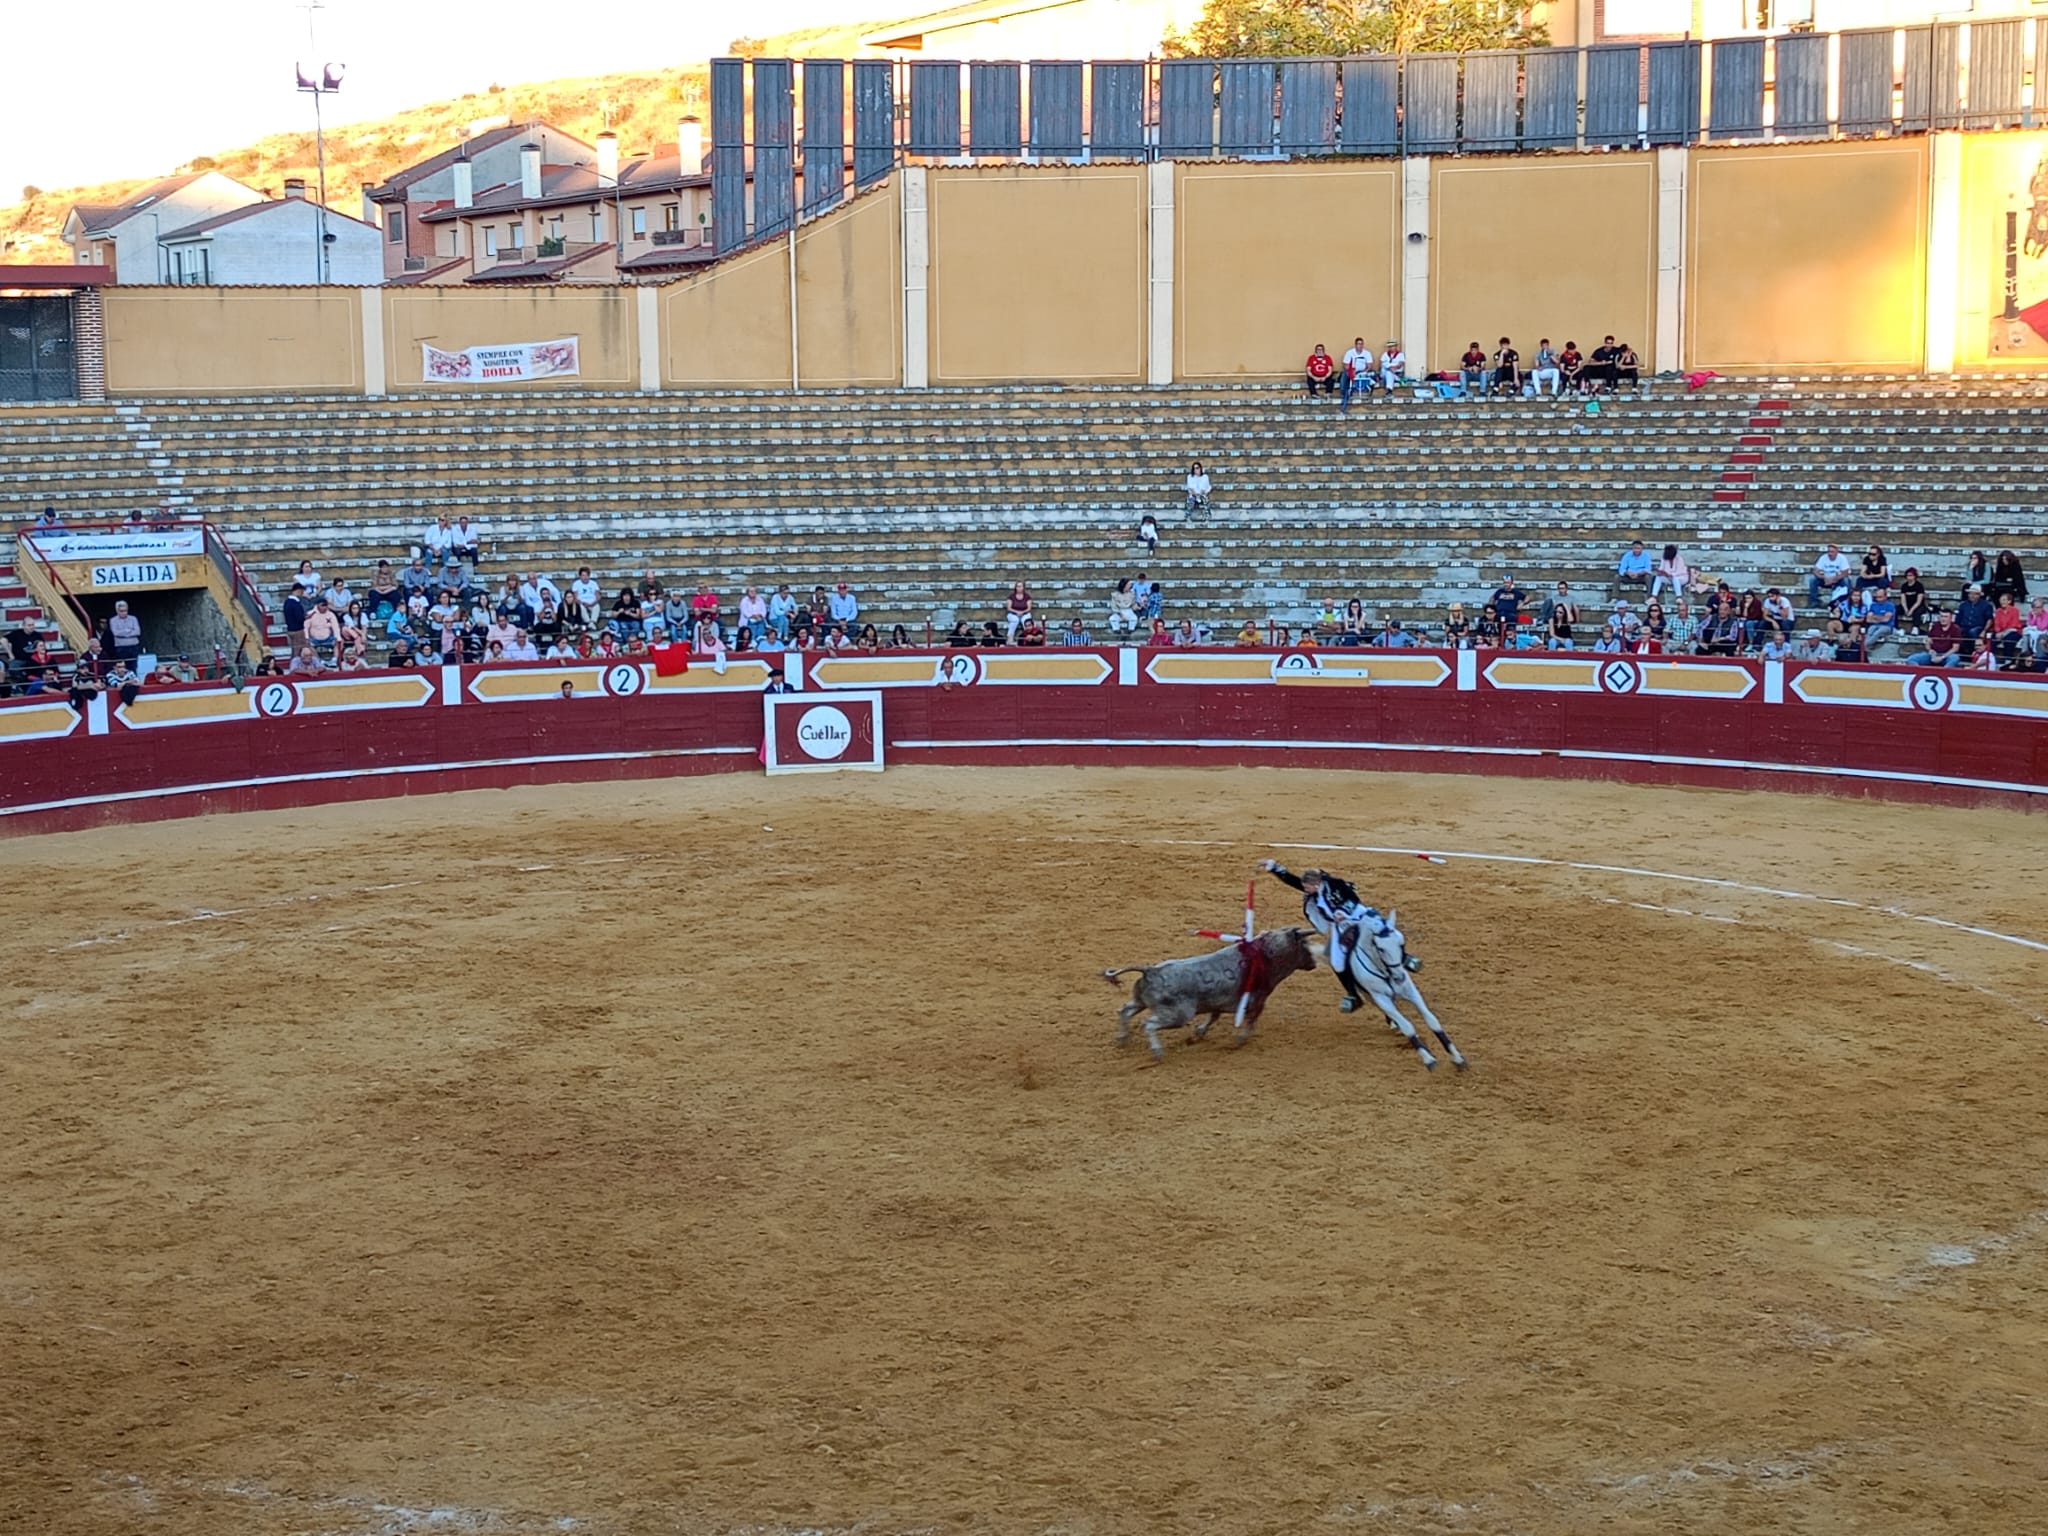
35	349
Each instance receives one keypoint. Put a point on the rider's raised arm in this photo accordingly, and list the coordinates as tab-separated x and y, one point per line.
1282	873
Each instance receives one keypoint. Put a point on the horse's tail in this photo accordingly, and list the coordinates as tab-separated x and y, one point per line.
1122	970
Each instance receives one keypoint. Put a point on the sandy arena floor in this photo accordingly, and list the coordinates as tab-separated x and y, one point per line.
721	1155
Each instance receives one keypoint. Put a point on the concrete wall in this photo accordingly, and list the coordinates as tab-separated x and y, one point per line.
849	285
729	327
214	341
1269	260
1037	272
1564	247
603	319
1809	257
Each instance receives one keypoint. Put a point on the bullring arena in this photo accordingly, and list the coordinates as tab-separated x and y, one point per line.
735	1154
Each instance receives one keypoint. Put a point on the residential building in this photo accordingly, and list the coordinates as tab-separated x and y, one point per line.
645	218
399	206
126	237
276	242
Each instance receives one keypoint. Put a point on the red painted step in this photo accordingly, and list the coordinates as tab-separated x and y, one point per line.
1738	476
1755	439
1745	456
1728	495
1766	421
1774	405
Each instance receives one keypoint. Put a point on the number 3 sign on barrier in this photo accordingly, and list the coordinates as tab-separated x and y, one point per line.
822	733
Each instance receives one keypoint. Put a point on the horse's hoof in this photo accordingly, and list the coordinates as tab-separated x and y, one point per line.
1349	1005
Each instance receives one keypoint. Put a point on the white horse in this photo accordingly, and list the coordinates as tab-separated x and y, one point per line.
1380	963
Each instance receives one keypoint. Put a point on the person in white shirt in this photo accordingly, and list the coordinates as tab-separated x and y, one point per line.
521	648
1830	576
584	588
1198	487
1546	368
754	610
1358	379
436	539
1148	533
467	541
533	589
1393	365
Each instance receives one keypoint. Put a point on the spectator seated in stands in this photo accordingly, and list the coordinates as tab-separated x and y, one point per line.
466	542
1506	378
547	625
1395	638
1031	632
402	654
1151	599
1472	368
2007	576
1357	629
1633	568
1571	366
1628	367
1779	616
323	630
1148	533
1198	488
1945	640
2036	628
1160	635
1722	634
339	594
123	681
1609	643
1973	618
1358	375
1777	646
307	663
1457	628
306	581
456	579
782	612
961	635
1850	643
627	618
753	610
1248	633
1880	618
843	604
1828	582
387	593
868	638
1487	633
1123	608
1597	376
1547	371
1393	365
2008	628
1813	646
1017	609
674	612
1912	596
1320	372
416	577
1557	616
1670	573
1876	570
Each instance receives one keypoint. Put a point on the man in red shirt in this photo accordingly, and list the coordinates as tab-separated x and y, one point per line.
1321	372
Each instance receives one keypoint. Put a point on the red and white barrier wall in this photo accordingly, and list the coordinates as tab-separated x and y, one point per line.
1963	737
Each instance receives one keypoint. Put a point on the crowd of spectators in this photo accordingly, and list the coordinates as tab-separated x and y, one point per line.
1611	367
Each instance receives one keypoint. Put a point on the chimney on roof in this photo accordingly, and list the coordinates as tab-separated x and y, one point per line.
295	189
465	182
607	159
529	170
690	147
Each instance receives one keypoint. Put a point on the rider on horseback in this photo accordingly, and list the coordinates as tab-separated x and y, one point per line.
1332	905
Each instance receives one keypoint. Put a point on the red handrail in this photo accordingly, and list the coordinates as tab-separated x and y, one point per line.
212	541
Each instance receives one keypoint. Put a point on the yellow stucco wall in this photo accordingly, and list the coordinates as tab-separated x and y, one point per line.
1558	247
1998	173
214	341
602	319
729	326
1037	272
849	295
1270	259
1808	257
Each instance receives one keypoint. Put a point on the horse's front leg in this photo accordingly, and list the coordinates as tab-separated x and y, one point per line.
1386	1005
1413	994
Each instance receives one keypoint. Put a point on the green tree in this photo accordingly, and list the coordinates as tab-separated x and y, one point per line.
1269	28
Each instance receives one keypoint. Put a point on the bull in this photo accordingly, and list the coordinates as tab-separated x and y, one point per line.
1173	992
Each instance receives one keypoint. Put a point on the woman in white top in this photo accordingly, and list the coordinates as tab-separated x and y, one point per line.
1198	487
1123	608
1670	570
307	580
1148	533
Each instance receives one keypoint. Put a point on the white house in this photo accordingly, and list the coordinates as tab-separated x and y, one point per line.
125	237
276	242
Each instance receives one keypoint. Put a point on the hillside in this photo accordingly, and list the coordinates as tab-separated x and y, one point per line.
641	107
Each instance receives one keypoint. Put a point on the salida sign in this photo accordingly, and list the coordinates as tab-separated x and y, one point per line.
813	733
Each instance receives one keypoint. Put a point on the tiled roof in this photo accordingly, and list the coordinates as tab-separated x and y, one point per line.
413	279
55	277
669	256
97	217
562	185
539	270
389	191
236	215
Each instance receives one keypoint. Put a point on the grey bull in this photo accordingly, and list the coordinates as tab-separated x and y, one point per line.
1174	992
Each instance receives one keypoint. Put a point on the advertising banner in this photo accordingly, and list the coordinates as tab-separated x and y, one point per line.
508	363
809	734
118	546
